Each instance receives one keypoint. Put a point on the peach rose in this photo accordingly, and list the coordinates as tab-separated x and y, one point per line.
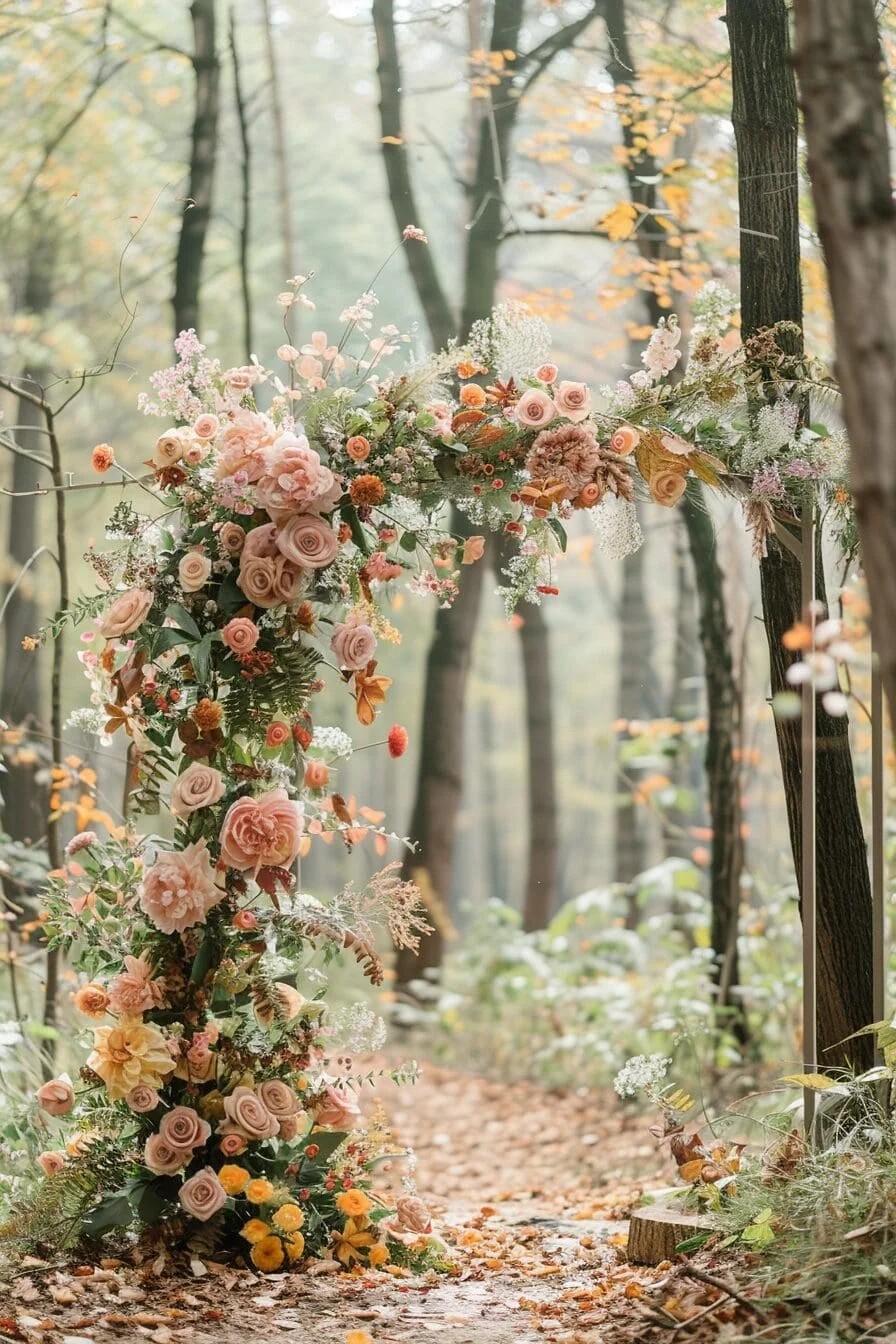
472	395
91	1000
247	1116
202	1195
195	452
240	635
179	889
268	583
307	539
413	1214
56	1097
317	775
277	735
169	448
52	1162
474	549
232	538
142	1099
625	440
232	1145
134	991
547	373
295	478
353	645
667	487
200	785
261	541
182	1128
193	571
589	495
277	1097
262	831
127	611
206	427
338	1109
535	409
573	400
358	448
163	1159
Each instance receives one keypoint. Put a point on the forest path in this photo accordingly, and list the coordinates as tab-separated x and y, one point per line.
530	1189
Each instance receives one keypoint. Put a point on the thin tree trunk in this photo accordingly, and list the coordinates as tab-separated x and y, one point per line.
634	701
765	123
540	896
281	158
203	152
841	70
245	225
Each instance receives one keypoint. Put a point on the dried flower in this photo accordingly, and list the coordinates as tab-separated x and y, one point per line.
367	491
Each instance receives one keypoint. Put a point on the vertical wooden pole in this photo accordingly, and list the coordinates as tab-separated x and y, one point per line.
809	903
878	864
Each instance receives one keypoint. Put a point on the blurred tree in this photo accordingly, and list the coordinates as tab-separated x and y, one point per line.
765	122
841	69
204	145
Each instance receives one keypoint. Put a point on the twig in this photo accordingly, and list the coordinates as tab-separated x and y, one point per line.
70	485
690	1272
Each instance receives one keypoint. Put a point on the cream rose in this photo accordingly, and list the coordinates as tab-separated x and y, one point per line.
202	1195
308	540
127	611
247	1115
353	645
199	786
182	1128
163	1159
667	487
56	1097
573	400
193	571
169	448
278	1098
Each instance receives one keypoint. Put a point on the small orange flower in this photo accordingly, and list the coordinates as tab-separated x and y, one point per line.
377	1255
267	1254
367	490
472	395
207	715
254	1231
398	741
370	691
354	1203
233	1178
102	458
91	1000
295	1246
288	1218
467	369
358	448
259	1191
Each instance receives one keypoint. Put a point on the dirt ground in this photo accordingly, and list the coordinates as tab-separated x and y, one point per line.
530	1190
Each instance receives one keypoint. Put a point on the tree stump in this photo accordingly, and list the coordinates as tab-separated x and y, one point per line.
656	1230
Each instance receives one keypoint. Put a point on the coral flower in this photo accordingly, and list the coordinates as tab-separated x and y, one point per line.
367	490
358	448
370	691
102	458
472	395
91	1000
398	741
260	832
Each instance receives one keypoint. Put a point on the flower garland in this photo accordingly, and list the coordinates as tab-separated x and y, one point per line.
286	510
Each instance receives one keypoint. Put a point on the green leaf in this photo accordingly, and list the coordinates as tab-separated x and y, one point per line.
359	536
815	1082
112	1211
230	596
168	638
693	1243
183	620
758	1235
201	657
408	541
202	961
559	532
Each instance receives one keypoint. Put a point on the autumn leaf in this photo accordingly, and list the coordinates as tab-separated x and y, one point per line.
619	222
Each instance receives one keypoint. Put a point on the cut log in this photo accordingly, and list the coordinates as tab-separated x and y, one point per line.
656	1230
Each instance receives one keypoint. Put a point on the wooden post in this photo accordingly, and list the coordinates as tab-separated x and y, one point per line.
809	892
878	856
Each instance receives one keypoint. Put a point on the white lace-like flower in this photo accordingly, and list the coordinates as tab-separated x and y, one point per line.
639	1073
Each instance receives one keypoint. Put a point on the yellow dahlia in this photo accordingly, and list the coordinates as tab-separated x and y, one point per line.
130	1054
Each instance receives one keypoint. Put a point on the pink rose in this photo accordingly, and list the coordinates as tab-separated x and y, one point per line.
306	539
179	889
535	409
261	832
162	1159
206	427
547	373
200	785
134	991
52	1162
413	1214
573	400
338	1109
142	1099
232	1145
242	445
353	644
247	1116
289	1128
240	635
193	571
56	1097
202	1195
625	440
232	538
182	1128
268	583
127	611
277	1097
261	541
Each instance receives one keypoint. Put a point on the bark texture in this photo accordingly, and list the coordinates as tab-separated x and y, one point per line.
203	153
841	71
766	126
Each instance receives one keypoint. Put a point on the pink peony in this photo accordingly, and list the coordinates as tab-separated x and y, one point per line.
240	635
295	478
338	1109
573	400
179	889
202	1195
142	1099
354	644
535	409
127	612
306	539
134	991
162	1158
52	1162
243	443
56	1097
246	1115
258	832
182	1128
200	785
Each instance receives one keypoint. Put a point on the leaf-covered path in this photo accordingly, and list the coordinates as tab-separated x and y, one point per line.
530	1189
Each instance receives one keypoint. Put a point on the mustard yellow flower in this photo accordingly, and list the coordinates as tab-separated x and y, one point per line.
295	1246
259	1191
255	1230
352	1242
233	1178
378	1254
267	1254
354	1203
288	1218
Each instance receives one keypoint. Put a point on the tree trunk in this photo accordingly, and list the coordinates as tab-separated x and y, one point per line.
540	896
203	152
245	225
766	125
841	69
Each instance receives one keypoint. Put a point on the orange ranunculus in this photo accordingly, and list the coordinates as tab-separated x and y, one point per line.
370	691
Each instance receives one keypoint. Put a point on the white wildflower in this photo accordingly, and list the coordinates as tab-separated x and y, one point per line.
640	1073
